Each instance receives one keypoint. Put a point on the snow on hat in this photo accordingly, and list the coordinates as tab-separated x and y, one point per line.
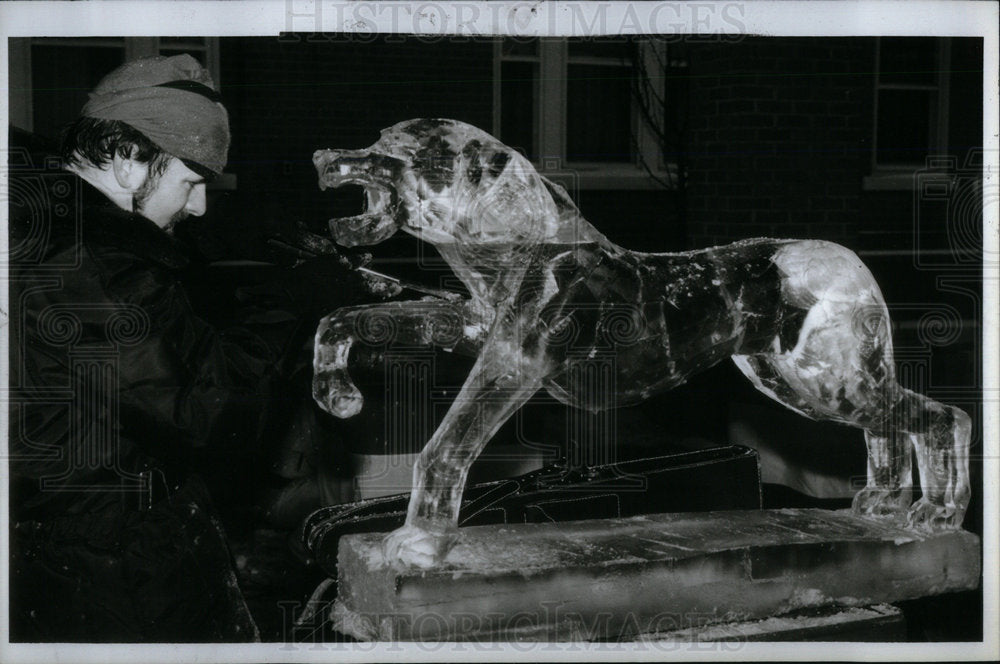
173	102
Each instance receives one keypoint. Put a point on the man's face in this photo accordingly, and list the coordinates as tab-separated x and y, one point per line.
171	196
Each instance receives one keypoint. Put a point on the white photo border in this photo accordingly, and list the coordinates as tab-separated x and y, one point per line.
768	18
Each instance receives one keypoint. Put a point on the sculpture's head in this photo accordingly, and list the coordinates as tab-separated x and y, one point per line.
442	180
377	173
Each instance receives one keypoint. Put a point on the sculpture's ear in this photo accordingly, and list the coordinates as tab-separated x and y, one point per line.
561	197
558	194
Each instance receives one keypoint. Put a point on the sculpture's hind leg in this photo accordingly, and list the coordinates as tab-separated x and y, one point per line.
896	422
889	489
942	447
840	368
940	436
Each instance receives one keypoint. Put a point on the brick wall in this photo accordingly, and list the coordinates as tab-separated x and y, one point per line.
780	132
645	220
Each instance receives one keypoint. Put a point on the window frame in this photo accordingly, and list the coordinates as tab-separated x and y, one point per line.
550	115
891	177
22	106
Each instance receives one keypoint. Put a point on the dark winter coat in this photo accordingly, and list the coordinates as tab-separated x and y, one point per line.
119	394
111	371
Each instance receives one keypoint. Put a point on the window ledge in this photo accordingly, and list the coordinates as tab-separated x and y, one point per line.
902	180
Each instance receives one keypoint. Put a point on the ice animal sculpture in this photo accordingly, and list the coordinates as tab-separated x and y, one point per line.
804	320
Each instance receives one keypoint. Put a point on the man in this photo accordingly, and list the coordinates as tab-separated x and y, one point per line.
121	396
175	144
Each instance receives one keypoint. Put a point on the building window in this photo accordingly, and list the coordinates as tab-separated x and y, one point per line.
203	49
911	101
520	95
63	71
600	122
568	105
51	76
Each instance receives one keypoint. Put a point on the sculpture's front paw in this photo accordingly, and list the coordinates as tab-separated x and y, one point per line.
336	394
873	501
925	515
411	546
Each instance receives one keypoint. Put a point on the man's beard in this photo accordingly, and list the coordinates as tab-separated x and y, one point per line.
179	216
142	195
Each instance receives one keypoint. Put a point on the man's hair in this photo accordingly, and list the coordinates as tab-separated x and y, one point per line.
98	141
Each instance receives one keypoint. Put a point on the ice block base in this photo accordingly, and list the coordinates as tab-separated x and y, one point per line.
661	573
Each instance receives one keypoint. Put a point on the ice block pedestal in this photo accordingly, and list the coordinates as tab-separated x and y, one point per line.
640	576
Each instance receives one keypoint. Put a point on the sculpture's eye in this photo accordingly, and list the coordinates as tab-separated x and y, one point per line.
498	162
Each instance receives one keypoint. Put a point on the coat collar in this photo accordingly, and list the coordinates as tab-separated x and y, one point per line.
107	224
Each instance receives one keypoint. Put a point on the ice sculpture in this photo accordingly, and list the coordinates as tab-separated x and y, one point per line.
804	320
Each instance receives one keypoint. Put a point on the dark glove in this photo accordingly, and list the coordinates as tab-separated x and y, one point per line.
322	285
322	278
305	245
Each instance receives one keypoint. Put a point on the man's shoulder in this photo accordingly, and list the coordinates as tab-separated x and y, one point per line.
45	219
53	211
95	250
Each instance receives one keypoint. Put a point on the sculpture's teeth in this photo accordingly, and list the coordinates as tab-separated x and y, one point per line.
362	229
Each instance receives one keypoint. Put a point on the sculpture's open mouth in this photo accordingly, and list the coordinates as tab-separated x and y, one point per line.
373	174
374	225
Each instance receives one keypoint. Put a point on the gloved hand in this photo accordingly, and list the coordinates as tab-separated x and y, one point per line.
324	284
305	245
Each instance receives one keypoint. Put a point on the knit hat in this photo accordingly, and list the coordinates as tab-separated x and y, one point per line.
173	102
